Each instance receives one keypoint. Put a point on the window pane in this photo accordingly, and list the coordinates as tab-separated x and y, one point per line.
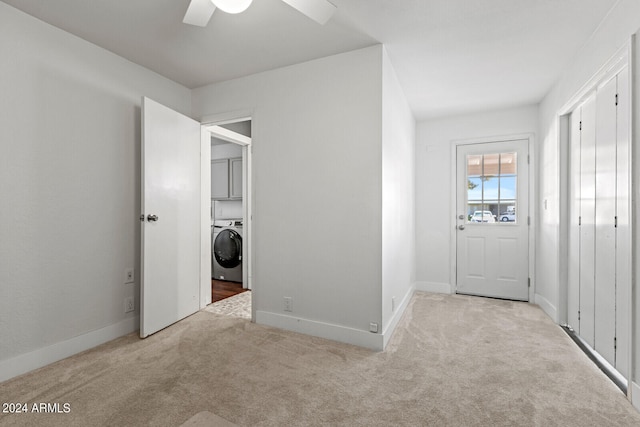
491	188
474	189
474	166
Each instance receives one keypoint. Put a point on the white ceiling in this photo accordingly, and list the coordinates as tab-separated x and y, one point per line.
451	56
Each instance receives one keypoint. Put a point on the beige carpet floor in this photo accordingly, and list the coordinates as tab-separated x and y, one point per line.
454	361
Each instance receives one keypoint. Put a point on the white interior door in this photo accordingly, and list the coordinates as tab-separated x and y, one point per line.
170	232
573	267
493	219
605	227
587	220
623	227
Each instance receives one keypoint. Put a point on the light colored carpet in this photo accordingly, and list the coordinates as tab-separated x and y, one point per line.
207	419
454	361
238	306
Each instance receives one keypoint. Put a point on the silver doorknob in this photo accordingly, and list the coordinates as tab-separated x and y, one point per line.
461	227
151	218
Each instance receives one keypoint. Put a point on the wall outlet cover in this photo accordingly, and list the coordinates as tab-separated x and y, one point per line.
128	305
129	276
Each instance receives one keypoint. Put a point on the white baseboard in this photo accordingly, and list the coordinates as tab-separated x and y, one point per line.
323	330
397	315
547	307
635	395
435	287
24	363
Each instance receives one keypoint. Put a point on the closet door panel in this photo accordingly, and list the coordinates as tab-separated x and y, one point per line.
623	231
605	212
587	227
573	291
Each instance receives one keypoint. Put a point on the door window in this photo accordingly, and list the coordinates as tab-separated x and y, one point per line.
491	188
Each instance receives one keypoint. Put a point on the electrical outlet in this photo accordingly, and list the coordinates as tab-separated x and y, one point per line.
288	304
128	305
129	277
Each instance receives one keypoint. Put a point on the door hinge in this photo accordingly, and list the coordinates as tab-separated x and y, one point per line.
528	220
616	99
615	222
528	282
579	220
615	343
580	124
578	314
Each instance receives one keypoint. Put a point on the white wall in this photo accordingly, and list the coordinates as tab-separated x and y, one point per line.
70	186
317	212
434	187
398	193
225	151
612	34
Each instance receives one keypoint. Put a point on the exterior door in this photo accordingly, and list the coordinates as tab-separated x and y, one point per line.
493	219
170	231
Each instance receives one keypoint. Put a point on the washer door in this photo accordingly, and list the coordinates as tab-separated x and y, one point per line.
227	248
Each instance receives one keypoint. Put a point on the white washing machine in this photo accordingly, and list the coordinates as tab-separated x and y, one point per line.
226	249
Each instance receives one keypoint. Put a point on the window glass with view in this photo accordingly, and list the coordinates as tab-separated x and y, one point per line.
491	188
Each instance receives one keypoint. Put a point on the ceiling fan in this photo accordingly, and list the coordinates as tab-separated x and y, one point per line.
200	11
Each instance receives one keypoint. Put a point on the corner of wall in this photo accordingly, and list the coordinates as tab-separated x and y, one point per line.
434	287
547	307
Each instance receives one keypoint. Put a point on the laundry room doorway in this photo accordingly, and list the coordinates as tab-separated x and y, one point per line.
229	141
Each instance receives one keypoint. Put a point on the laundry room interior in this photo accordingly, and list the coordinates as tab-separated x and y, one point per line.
227	211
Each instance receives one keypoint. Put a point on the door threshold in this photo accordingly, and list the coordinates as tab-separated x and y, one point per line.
605	367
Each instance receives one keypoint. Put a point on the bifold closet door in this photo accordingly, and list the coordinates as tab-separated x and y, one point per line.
573	289
623	229
587	220
605	227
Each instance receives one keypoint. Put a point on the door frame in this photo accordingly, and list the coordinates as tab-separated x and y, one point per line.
453	203
621	59
248	197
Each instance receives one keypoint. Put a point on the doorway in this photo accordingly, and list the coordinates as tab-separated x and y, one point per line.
227	201
492	219
229	273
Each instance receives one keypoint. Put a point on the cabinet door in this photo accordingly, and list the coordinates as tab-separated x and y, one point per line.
220	179
235	189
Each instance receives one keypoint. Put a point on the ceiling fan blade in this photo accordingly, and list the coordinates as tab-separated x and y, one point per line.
199	13
318	10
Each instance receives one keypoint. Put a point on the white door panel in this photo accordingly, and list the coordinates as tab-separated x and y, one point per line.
605	212
492	209
573	291
623	230
587	214
170	276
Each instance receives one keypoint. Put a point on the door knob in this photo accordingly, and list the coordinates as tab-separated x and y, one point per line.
151	218
461	227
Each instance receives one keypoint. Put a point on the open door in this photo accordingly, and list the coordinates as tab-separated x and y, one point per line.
170	216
